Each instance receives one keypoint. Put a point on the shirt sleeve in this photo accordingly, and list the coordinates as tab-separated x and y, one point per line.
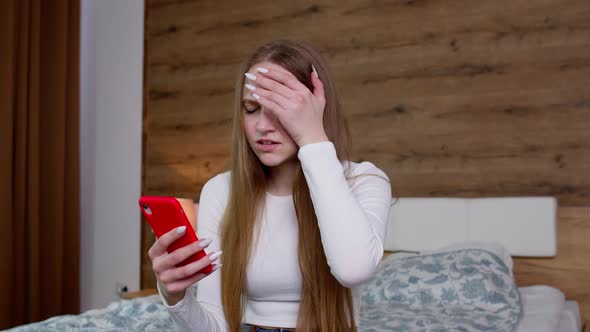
352	214
201	308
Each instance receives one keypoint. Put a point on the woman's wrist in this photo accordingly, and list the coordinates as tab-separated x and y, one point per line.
171	299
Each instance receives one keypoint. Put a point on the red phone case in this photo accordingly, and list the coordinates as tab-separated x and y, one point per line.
166	215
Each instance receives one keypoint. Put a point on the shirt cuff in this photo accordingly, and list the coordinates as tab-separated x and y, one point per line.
319	161
315	151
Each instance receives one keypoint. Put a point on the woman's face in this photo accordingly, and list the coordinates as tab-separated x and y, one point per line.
267	137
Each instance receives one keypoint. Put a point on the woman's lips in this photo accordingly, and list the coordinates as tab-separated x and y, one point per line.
267	147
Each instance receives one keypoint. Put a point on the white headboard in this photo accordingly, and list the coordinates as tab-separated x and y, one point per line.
525	226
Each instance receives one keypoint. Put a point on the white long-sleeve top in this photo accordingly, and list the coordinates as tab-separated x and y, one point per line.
352	217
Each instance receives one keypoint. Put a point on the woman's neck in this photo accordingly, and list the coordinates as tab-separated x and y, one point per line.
281	178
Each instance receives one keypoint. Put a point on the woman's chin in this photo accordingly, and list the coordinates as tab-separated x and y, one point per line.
272	160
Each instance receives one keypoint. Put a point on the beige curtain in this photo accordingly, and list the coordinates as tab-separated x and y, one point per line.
39	167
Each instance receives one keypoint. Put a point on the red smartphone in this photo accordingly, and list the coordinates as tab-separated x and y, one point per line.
164	214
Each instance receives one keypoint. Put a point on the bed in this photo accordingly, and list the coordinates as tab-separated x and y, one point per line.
146	313
543	308
547	246
552	292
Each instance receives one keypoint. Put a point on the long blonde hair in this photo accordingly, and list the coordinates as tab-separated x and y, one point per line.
325	304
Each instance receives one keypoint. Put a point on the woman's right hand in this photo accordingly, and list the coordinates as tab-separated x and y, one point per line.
174	280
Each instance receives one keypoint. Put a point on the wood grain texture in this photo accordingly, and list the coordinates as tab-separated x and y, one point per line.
450	98
456	98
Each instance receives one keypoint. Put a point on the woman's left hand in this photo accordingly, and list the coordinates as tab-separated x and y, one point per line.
299	110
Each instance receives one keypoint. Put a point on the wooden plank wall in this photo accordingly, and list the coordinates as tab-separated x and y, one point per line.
450	98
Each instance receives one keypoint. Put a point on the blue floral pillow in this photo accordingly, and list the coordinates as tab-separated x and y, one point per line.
459	290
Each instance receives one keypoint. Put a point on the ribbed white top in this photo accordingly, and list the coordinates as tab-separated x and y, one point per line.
352	217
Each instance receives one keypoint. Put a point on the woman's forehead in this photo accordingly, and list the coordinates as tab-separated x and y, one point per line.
267	65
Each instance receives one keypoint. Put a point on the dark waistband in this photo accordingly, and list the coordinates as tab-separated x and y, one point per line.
254	328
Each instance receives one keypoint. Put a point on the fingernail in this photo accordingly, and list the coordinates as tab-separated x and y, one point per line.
204	243
314	71
216	267
250	76
213	256
250	87
256	96
262	70
180	230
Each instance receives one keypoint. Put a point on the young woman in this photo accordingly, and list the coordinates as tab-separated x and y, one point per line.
301	227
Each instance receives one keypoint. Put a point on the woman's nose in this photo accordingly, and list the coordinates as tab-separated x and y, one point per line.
265	121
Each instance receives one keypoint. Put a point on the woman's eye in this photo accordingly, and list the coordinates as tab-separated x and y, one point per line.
251	110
